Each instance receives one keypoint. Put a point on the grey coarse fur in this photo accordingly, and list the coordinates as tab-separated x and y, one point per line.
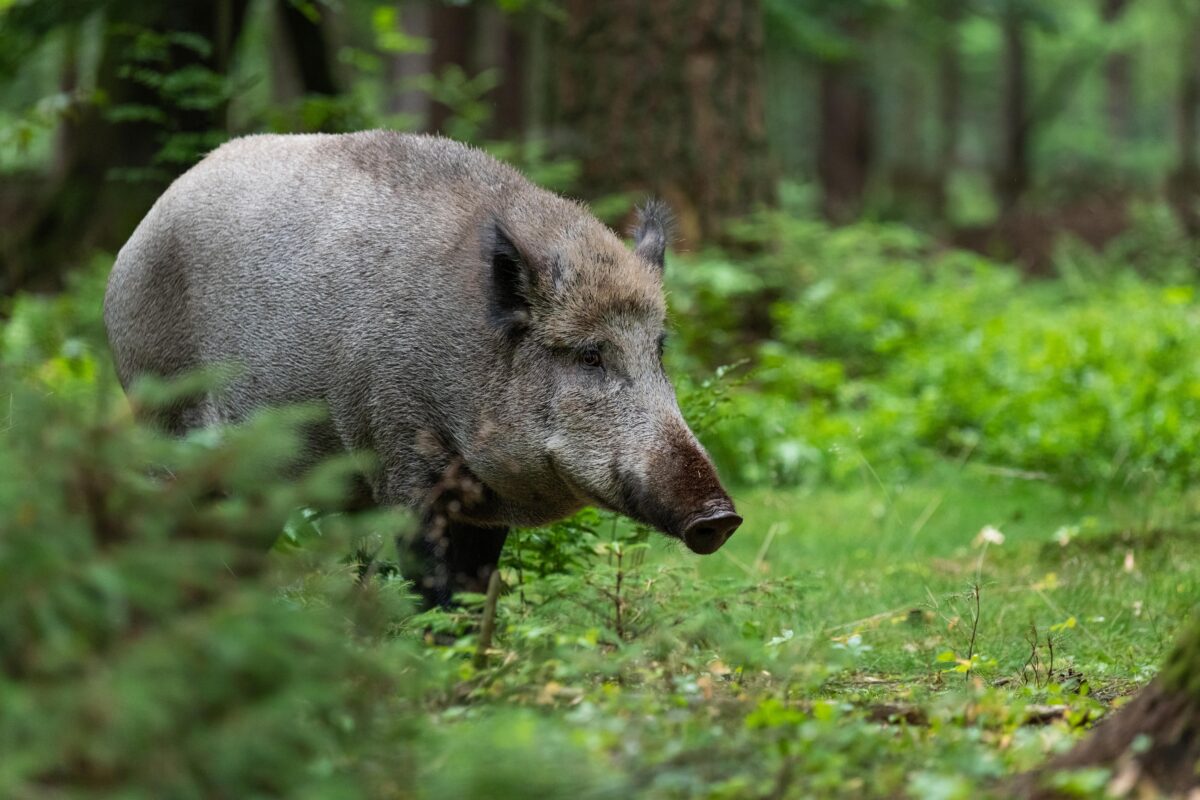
437	303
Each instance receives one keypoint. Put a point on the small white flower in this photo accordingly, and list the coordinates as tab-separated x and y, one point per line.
989	535
1065	534
778	640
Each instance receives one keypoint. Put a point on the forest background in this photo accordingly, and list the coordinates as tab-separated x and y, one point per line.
934	312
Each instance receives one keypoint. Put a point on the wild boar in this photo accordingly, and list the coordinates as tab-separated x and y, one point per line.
452	316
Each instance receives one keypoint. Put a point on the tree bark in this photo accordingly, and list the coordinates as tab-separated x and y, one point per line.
950	99
508	120
1118	79
665	97
1184	188
404	98
844	141
1152	744
310	48
454	30
1013	178
503	47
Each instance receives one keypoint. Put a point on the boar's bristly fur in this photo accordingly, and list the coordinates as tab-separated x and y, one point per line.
453	318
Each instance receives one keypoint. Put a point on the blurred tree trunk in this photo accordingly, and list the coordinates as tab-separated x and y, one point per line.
844	140
949	66
666	97
309	44
404	98
1184	188
1118	78
502	48
1013	177
300	56
1153	743
454	29
68	84
509	118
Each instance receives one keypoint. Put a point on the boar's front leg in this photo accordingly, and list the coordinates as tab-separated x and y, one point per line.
455	557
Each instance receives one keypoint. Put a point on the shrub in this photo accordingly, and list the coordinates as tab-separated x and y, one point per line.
153	647
883	350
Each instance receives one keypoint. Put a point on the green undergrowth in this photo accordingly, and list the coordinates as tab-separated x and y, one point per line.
969	535
872	345
923	639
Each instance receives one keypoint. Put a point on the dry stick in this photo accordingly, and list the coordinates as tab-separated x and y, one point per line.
975	622
617	600
488	625
974	629
742	565
520	571
766	545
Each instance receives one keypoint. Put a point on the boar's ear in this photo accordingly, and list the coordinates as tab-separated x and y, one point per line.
512	280
652	233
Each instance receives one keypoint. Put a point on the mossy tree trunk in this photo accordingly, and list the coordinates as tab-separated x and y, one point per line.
665	97
1184	187
1152	744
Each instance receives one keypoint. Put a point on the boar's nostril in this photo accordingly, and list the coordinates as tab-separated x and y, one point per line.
707	534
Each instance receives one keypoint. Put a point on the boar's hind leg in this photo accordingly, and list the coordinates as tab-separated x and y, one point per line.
455	557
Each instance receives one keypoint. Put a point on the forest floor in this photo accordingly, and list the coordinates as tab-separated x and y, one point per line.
924	640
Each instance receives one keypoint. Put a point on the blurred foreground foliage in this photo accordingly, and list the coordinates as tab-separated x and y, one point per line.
151	647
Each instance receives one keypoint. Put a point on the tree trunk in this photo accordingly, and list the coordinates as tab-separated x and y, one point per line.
310	48
1184	188
1152	745
508	121
666	97
1118	79
844	141
950	99
502	47
454	30
403	97
1013	178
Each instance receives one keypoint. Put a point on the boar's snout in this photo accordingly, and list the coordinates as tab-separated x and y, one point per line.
706	533
684	497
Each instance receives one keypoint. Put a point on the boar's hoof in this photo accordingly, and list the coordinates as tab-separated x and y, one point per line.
706	534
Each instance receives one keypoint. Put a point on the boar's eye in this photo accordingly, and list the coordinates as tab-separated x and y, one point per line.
590	358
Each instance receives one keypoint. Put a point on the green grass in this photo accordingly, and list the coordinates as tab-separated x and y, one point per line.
872	559
824	651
